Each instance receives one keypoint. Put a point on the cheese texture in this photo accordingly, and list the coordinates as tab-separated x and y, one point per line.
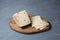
38	23
21	18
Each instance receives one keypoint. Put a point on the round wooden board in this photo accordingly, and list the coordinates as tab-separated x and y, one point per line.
27	29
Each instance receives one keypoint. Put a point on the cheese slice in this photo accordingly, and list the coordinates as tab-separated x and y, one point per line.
38	23
21	18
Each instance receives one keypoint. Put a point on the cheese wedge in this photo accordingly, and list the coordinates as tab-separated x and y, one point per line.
38	23
21	18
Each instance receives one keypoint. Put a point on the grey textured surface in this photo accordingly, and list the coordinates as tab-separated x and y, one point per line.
49	9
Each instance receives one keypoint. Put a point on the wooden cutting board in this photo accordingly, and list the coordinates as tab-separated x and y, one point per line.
27	29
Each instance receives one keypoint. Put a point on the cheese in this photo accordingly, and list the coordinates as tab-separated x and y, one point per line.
38	23
21	18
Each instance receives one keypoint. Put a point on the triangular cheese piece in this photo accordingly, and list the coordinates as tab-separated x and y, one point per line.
38	23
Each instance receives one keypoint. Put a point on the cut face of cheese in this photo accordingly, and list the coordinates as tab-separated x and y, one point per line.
38	23
21	18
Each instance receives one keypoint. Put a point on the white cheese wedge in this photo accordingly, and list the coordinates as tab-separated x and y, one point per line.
38	23
21	18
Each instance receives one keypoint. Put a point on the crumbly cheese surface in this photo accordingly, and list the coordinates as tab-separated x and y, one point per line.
38	23
21	18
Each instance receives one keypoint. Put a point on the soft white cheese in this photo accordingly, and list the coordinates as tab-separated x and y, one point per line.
38	23
21	18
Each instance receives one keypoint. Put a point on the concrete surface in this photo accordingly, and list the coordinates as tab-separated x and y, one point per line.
49	9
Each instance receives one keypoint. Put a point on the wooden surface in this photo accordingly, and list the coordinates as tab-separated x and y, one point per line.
27	29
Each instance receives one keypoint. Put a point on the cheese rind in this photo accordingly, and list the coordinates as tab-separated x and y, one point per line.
21	18
38	23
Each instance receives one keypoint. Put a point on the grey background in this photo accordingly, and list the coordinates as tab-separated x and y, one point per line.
49	9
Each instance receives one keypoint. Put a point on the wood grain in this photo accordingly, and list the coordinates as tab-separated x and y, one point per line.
27	29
